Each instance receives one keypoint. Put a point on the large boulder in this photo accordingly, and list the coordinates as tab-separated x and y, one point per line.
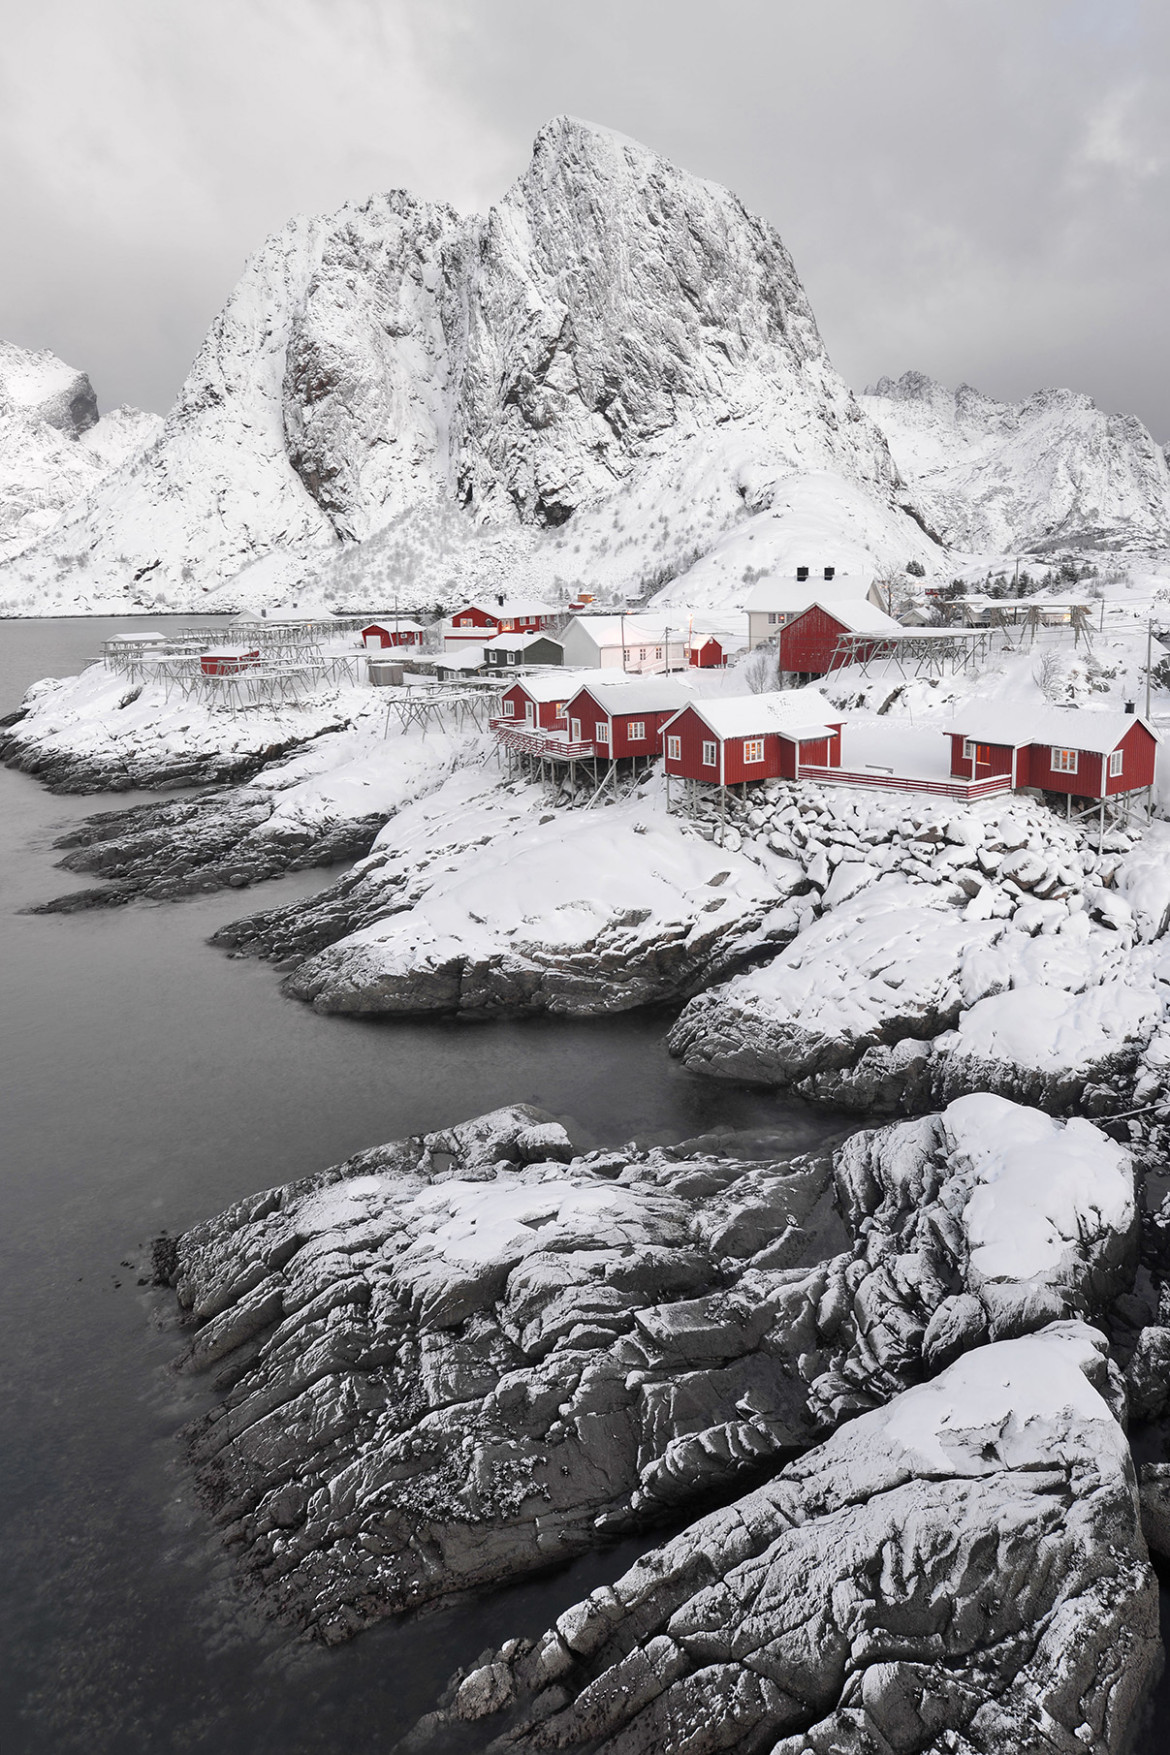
962	1571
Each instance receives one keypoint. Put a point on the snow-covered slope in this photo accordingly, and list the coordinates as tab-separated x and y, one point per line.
1050	472
53	447
608	371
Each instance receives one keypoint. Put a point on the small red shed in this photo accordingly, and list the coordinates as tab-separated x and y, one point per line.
624	718
1081	751
706	652
735	738
228	663
808	643
399	632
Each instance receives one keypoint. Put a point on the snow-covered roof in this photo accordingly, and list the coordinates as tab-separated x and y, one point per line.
516	642
614	630
790	596
637	694
794	713
1080	728
456	661
396	624
858	615
512	608
557	684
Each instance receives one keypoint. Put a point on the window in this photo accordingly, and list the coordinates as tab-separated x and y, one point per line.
529	712
513	658
465	621
575	731
968	749
509	709
674	748
773	618
979	753
1064	761
753	749
601	731
637	730
658	651
559	709
710	756
642	654
1116	762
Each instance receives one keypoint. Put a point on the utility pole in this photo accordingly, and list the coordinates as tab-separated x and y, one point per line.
624	665
1149	661
666	649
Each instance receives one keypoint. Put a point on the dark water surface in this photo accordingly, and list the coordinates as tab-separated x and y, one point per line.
145	1082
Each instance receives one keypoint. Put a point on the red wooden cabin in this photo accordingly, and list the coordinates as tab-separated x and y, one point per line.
706	652
624	718
486	619
808	643
379	635
737	738
1079	751
539	703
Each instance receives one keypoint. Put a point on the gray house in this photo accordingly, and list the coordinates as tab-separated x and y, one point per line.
512	649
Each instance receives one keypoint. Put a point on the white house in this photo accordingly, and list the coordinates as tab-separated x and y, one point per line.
635	644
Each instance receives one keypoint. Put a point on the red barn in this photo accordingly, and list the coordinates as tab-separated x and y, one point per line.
400	632
624	718
808	643
501	615
734	738
706	652
1077	750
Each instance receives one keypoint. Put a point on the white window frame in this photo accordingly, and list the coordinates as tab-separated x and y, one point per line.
574	731
710	753
1116	762
968	749
773	618
509	709
560	708
601	731
1063	761
753	750
674	749
636	731
466	621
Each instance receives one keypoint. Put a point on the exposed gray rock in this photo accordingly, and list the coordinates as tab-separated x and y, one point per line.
216	841
456	1358
962	1571
131	769
1147	1375
1155	1504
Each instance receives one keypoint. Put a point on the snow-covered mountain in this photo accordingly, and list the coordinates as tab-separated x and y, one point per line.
54	448
602	377
1050	472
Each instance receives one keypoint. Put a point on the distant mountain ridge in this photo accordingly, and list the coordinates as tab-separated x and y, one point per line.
54	446
1052	471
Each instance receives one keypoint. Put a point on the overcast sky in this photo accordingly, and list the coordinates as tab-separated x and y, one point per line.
974	188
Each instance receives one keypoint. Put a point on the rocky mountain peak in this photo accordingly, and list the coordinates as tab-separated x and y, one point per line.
39	386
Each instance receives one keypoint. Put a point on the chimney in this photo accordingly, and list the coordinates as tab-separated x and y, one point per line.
1129	706
801	575
829	572
500	600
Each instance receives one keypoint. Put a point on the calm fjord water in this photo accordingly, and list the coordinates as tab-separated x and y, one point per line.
145	1082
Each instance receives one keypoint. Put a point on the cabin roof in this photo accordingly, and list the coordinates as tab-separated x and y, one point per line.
637	694
561	685
1075	728
394	625
509	610
518	642
792	596
790	712
857	615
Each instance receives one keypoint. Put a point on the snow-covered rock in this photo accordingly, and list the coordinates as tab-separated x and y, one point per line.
960	1571
53	447
454	1358
1050	472
616	342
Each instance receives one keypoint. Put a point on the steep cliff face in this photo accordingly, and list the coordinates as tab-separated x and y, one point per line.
613	331
53	448
1050	472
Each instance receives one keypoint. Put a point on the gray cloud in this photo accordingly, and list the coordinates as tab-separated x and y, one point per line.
972	187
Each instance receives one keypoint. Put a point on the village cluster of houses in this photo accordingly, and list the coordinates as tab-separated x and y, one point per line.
792	734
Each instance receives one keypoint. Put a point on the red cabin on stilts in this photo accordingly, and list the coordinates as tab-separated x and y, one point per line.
1075	750
736	738
624	718
808	643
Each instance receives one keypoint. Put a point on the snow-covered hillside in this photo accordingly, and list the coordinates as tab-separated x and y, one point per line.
54	448
610	370
1000	477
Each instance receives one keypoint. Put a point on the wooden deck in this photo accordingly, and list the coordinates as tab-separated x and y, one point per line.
964	790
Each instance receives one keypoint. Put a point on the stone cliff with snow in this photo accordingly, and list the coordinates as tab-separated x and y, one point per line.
617	347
